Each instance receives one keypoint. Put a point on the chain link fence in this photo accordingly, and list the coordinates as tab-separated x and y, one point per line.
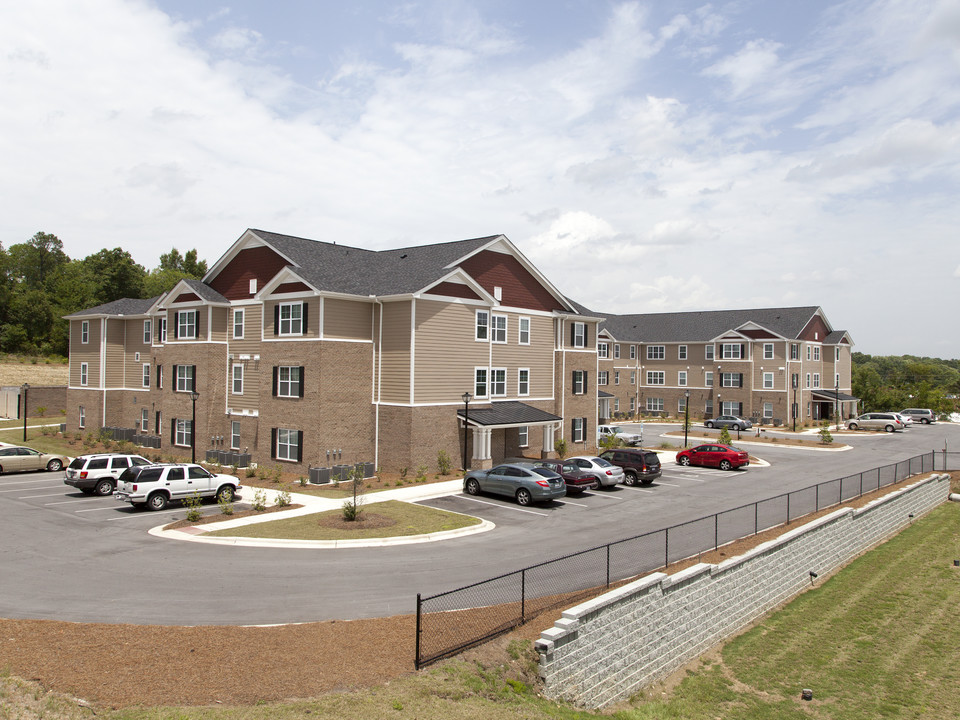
452	621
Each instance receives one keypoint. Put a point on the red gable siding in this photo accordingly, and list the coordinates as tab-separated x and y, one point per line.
261	263
758	334
456	290
816	327
290	287
187	297
520	288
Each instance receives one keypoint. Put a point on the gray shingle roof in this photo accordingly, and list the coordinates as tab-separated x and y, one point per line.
204	291
124	306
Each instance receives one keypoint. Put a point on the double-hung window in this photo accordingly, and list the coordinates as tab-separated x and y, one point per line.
816	353
816	380
578	429
616	351
794	351
147	332
579	334
523	381
288	444
524	325
768	381
708	351
482	327
238	324
82	420
808	379
656	352
602	377
499	329
237	385
84	373
163	330
768	351
732	351
633	352
290	318
498	382
682	352
146	375
616	377
480	382
187	324
633	377
144	420
579	382
708	378
85	332
768	410
523	436
235	435
682	378
183	432
654	404
731	380
186	382
656	377
289	381
603	350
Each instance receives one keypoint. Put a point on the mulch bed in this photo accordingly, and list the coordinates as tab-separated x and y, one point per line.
366	521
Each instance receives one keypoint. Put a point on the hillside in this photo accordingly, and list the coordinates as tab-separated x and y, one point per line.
36	371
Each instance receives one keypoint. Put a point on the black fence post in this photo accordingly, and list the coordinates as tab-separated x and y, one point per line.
523	595
666	548
861	485
416	662
788	508
716	531
818	497
608	564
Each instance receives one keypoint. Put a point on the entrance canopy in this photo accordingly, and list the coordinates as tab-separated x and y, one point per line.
509	413
833	396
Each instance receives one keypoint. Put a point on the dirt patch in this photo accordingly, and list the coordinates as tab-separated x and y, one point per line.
367	521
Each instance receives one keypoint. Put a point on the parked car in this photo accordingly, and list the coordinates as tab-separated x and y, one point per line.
905	419
876	421
605	431
23	459
576	479
606	473
728	421
100	472
714	455
524	482
639	466
157	485
924	416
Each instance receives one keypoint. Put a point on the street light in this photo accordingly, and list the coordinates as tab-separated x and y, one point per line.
466	397
686	415
194	395
25	388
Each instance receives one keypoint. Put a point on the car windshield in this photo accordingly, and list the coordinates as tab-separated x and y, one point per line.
615	428
602	463
547	473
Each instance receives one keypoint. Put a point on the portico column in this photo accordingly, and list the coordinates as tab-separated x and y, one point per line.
481	447
548	435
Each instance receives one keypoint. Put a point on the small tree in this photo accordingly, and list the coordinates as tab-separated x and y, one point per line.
560	445
353	507
725	436
609	441
443	462
825	437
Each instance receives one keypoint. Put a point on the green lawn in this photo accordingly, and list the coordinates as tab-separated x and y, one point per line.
408	519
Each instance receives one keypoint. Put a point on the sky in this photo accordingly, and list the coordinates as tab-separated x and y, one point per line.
645	156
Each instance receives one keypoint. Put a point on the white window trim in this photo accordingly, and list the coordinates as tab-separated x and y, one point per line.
486	382
523	436
738	355
146	374
183	325
655	401
147	332
238	313
493	382
182	387
656	377
616	351
708	378
234	378
163	329
681	352
183	432
603	377
499	332
484	326
709	351
616	377
85	332
520	391
84	374
682	378
144	420
577	433
82	417
579	335
656	352
280	320
603	350
520	331
290	382
291	444
768	346
768	376
235	435
633	352
582	383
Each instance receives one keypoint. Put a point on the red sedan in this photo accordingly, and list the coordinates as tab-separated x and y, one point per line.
713	455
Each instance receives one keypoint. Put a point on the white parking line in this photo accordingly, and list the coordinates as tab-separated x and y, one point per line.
570	502
599	495
34	497
506	507
48	487
660	482
67	502
636	489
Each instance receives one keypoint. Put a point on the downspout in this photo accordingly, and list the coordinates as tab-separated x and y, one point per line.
378	359
103	372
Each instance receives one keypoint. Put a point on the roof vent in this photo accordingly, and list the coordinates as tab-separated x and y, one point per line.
403	257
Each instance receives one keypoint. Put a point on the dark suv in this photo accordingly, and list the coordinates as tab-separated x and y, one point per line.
639	465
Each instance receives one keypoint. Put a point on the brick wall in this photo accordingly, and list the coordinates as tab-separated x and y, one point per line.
606	649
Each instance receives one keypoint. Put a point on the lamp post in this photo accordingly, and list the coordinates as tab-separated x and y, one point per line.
836	412
466	397
194	395
686	415
25	388
793	411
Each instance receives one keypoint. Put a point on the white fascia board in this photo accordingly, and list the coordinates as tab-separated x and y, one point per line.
751	325
286	274
574	316
456	274
168	300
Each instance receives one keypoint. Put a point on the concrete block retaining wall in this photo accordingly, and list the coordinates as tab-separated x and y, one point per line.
608	648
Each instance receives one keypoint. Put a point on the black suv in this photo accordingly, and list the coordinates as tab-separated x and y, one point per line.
639	465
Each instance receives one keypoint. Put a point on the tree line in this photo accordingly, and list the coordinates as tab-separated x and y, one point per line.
891	382
40	283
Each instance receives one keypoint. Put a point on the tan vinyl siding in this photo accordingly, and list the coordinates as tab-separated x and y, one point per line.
252	371
312	329
115	355
346	319
85	353
446	351
249	344
395	383
219	317
133	344
537	356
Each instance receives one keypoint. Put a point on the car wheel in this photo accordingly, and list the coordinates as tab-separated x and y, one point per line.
889	428
157	501
225	494
55	465
735	427
524	497
726	465
1	469
104	487
852	426
684	461
925	421
708	424
473	487
630	478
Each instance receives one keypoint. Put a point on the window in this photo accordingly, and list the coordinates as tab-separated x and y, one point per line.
499	328
682	404
288	381
602	377
656	352
633	352
523	381
144	420
524	324
84	373
768	410
708	352
158	423
682	378
808	379
616	404
578	429
768	351
654	404
732	407
290	318
794	351
288	444
183	432
238	324
187	323
732	351
482	325
633	377
579	382
602	350
85	332
837	354
795	379
708	407
836	380
732	379
616	351
579	334
480	382
616	377
82	420
159	376
237	388
816	353
186	380
816	380
808	352
633	404
708	378
656	377
682	352
146	375
498	382
523	436
768	381
163	330
147	332
235	435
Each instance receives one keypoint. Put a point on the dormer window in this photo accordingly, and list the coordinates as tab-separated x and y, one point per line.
290	318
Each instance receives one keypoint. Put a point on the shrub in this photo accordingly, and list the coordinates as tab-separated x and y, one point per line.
251	472
825	437
193	503
277	472
283	498
443	462
302	480
560	445
421	473
403	473
259	501
226	507
725	436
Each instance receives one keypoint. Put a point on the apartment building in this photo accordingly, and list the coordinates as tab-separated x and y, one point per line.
308	354
768	364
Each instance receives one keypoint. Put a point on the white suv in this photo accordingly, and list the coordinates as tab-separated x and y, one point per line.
99	473
156	485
